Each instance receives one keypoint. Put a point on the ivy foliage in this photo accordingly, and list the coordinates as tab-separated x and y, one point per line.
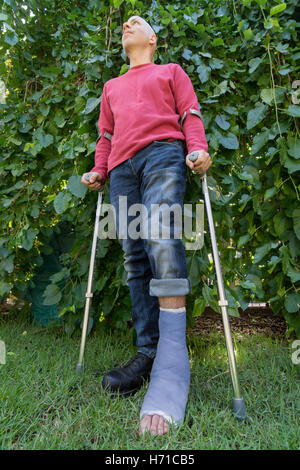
243	59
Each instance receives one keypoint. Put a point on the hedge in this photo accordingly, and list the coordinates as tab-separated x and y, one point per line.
243	60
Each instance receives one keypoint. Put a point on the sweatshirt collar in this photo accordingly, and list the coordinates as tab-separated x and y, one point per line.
140	66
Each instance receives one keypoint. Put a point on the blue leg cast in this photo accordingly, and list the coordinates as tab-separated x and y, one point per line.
170	377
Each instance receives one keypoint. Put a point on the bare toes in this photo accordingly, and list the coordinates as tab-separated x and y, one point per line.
155	424
145	424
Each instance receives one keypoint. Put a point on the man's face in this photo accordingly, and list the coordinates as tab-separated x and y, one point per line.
136	31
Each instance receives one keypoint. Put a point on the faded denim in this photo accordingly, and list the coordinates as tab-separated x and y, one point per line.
155	267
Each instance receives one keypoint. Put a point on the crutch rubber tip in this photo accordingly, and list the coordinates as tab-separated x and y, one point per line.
79	369
239	409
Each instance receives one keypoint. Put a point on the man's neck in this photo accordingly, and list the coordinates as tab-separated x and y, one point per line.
134	61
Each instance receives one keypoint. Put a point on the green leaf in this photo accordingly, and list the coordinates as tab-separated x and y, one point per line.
259	141
61	202
28	238
292	302
293	320
218	42
220	89
269	193
294	148
107	303
249	173
8	264
293	110
37	185
284	70
222	122
273	263
281	224
241	24
91	104
210	295
287	266
7	202
199	306
75	186
296	221
70	325
230	141
11	38
263	250
216	64
277	9
52	295
283	48
102	249
50	72
24	125
254	63
267	95
294	274
61	275
248	34
253	283
187	54
34	211
4	288
194	269
59	118
45	139
256	115
232	304
243	240
291	164
44	109
203	73
99	285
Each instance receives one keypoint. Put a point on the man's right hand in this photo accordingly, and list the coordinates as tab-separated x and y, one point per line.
95	180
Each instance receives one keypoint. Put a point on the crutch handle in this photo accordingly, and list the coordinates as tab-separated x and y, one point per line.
193	157
87	177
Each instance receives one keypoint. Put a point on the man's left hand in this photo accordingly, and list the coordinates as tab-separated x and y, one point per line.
202	164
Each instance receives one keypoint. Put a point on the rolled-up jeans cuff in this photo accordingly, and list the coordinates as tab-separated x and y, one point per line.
169	287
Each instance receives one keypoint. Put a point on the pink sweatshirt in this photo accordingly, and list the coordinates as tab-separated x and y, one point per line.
143	105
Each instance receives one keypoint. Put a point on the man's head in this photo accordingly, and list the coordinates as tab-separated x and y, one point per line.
138	36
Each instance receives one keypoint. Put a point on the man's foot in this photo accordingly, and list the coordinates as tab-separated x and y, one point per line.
167	393
154	424
128	379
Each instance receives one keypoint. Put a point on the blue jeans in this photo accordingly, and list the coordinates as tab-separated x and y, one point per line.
156	267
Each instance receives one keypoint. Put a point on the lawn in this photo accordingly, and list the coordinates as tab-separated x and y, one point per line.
44	405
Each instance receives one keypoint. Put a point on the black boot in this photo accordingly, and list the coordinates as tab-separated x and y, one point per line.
128	379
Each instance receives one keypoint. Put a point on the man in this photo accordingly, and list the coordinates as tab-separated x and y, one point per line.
147	117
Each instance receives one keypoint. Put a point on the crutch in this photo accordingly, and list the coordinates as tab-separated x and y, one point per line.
239	408
89	294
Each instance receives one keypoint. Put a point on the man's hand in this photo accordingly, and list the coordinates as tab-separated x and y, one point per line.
95	180
202	164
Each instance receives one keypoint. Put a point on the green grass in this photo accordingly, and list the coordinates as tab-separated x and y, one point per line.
44	405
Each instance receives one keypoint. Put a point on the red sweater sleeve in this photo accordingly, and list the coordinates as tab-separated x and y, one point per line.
103	147
186	98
